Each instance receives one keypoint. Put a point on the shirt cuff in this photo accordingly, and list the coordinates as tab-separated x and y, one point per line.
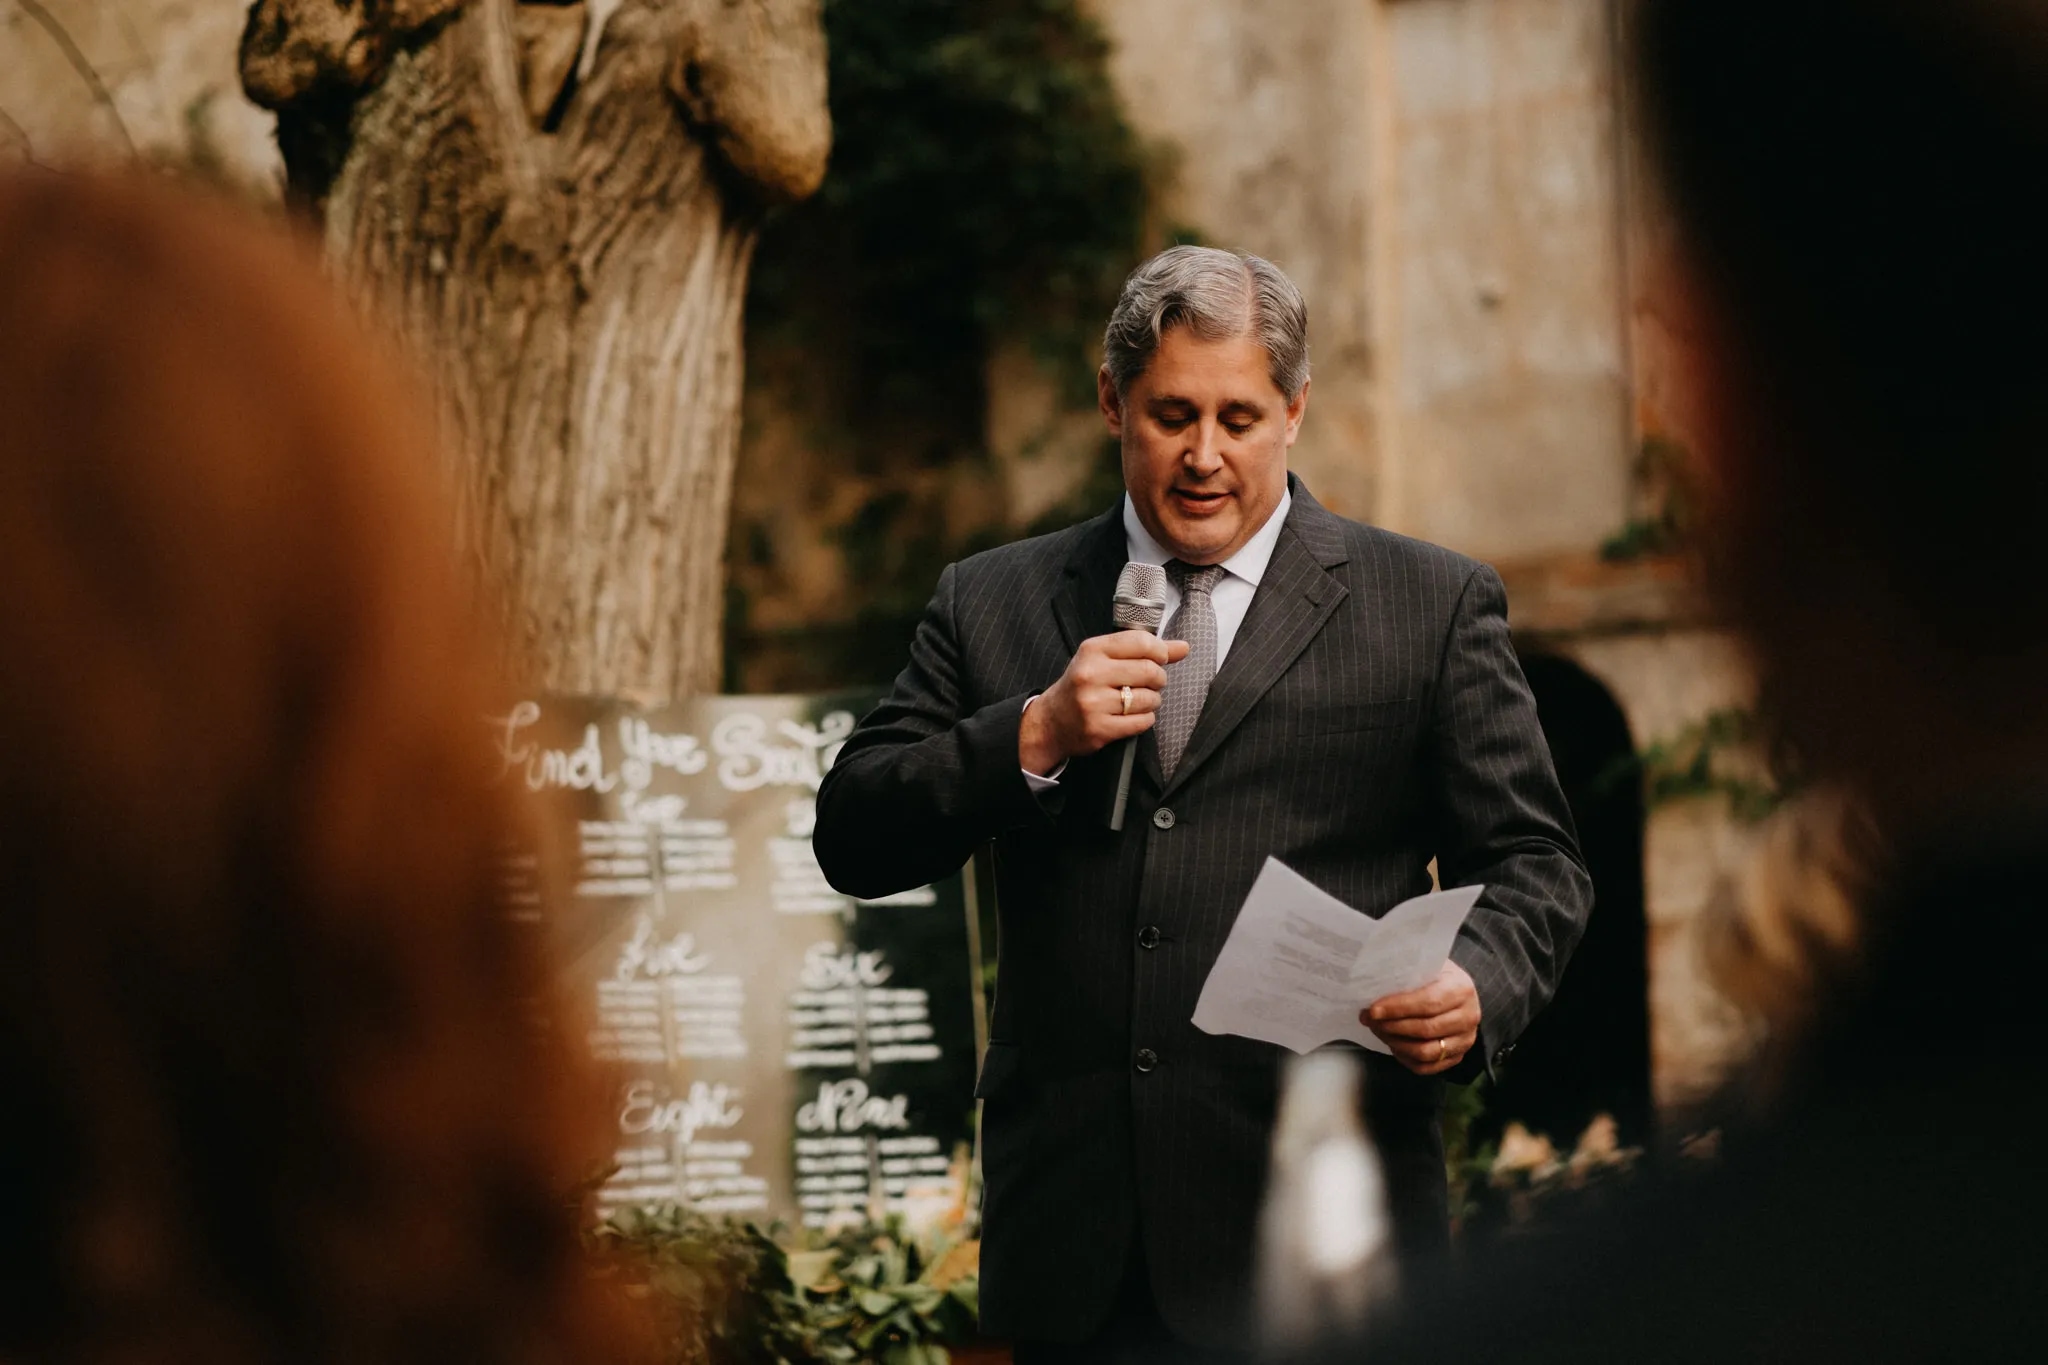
1048	781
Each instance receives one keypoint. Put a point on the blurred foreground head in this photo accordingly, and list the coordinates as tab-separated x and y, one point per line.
273	1085
1858	194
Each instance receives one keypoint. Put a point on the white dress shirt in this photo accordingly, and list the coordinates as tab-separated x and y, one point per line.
1231	597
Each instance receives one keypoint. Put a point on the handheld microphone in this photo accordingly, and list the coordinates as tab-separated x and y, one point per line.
1140	605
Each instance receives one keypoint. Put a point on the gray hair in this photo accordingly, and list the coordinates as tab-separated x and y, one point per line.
1216	295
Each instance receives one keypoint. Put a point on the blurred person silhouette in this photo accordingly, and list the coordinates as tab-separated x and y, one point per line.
275	1087
1864	256
1773	936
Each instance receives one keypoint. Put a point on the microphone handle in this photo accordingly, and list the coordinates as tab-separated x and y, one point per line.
1123	785
1123	780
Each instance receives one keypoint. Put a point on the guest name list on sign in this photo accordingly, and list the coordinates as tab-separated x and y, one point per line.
783	1051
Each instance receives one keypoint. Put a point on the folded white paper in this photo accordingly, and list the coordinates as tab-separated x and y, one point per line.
1300	964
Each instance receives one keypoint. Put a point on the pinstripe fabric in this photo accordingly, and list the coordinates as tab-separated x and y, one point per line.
1370	715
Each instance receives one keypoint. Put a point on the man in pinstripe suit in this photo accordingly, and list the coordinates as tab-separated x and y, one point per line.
1336	696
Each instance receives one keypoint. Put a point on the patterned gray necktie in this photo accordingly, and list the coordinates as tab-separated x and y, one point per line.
1187	682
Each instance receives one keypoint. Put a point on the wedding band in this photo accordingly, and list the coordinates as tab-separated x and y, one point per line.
1441	1050
1127	701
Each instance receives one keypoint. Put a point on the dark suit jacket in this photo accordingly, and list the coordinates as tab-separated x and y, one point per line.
1370	715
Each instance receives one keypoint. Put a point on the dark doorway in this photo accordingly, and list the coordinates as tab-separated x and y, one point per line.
1589	1052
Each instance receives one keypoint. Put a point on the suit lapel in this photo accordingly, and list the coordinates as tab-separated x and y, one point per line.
1084	604
1295	600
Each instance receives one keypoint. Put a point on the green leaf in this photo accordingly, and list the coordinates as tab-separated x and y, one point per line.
807	1268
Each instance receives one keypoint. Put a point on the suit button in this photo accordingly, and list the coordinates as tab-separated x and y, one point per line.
1147	1059
1163	817
1148	937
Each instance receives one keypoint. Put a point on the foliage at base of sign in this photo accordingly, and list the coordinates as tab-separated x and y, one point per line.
719	1291
874	1294
728	1293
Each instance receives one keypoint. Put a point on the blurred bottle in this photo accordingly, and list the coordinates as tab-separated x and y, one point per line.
1325	1237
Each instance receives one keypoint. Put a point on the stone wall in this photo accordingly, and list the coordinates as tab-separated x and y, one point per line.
1502	344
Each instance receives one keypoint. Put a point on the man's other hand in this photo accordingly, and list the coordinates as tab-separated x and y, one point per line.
1432	1027
1084	710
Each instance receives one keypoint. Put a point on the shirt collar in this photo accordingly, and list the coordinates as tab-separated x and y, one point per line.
1250	561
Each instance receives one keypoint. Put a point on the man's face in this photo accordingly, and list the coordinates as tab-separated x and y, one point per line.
1205	433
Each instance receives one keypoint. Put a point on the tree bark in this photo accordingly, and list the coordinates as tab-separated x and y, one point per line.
563	230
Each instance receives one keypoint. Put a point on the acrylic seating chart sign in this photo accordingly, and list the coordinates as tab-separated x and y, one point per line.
782	1051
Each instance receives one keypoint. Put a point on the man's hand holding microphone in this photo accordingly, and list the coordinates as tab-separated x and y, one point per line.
1111	688
1086	710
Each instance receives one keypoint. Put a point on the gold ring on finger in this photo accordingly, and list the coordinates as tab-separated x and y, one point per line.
1127	701
1442	1049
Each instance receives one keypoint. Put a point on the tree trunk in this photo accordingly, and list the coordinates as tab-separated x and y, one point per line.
557	206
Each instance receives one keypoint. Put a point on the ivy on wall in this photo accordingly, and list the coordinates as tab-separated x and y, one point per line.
1666	522
983	182
1698	761
984	186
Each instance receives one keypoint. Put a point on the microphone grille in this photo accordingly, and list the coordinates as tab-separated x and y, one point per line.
1140	597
